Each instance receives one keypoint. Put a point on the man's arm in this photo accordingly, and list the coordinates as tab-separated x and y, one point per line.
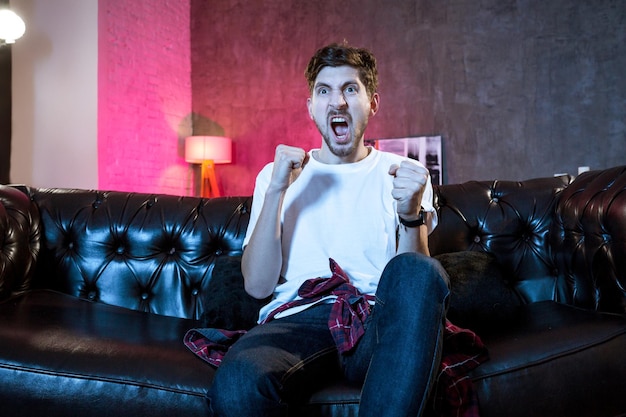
413	239
409	184
262	258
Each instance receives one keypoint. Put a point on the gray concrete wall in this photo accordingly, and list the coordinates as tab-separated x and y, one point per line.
518	89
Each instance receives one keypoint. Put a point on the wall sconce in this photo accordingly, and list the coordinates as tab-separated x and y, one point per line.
12	26
208	151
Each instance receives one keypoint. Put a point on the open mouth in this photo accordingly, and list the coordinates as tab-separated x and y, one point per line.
339	124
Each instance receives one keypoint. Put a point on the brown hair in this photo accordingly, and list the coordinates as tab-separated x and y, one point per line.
335	55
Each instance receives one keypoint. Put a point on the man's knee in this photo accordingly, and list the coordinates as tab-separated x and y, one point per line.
241	386
413	270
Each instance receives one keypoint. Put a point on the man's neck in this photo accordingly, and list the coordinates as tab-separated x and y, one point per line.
325	156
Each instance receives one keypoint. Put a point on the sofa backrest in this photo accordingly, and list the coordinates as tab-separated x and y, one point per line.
589	240
509	219
157	253
153	253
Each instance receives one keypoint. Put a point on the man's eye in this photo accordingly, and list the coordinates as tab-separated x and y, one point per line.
322	91
351	90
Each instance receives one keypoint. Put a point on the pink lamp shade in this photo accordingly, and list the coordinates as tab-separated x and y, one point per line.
208	151
208	148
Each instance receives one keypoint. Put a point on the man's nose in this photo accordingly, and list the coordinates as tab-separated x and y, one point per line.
337	100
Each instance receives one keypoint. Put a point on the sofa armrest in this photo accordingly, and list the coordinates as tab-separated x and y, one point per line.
589	240
19	241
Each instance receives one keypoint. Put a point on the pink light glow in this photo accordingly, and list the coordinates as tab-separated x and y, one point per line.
202	148
144	96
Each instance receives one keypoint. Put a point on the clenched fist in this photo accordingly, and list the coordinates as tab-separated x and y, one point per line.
408	188
288	164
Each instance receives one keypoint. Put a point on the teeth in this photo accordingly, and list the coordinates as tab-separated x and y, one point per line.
338	120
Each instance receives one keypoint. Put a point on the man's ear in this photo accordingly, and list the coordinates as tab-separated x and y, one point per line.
308	106
374	103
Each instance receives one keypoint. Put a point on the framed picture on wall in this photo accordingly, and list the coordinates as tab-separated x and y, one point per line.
426	149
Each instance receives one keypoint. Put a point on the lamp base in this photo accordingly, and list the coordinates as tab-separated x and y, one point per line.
208	187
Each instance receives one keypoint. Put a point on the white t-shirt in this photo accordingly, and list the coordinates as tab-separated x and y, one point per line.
340	211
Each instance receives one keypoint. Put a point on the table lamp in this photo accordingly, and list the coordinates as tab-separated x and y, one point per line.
208	151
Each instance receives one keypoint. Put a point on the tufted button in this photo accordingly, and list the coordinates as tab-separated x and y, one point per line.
195	292
218	252
120	250
70	245
495	199
476	239
172	251
144	296
91	295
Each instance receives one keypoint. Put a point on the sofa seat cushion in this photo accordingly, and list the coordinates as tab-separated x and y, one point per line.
554	360
60	356
550	358
337	399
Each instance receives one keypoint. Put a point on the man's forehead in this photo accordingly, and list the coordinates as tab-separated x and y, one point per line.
338	75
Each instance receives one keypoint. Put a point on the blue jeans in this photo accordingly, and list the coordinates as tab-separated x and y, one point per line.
396	360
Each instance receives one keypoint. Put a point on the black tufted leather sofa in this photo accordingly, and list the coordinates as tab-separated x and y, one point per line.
98	288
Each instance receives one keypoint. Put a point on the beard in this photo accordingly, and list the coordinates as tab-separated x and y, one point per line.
355	133
340	150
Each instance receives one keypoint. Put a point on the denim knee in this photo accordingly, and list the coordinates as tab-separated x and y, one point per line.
411	275
244	388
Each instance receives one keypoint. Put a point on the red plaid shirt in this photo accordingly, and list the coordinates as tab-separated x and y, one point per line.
463	350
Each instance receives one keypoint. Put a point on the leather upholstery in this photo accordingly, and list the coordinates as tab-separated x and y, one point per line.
553	359
74	264
509	219
589	240
19	241
63	356
152	253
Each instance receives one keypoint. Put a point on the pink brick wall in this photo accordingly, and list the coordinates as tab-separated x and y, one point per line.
144	95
